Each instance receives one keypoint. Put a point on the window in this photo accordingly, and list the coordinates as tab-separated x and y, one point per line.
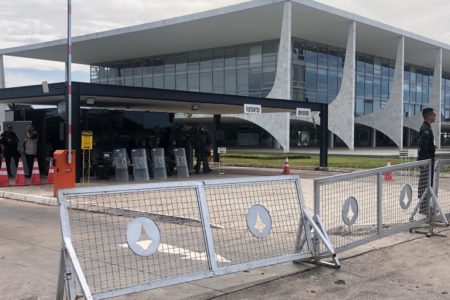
206	71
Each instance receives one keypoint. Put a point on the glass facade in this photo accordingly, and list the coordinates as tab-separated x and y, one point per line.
446	97
374	77
247	70
317	71
417	83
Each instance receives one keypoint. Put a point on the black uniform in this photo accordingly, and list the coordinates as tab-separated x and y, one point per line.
202	146
427	150
10	143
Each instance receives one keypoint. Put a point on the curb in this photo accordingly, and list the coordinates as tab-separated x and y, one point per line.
51	201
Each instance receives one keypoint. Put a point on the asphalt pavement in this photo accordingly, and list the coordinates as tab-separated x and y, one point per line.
404	266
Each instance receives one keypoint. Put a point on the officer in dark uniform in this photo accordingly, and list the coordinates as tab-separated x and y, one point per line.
427	149
10	143
202	146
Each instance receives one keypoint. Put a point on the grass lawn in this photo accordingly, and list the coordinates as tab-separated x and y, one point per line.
298	160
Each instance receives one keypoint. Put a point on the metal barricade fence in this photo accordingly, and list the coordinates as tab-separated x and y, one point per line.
442	184
125	239
360	207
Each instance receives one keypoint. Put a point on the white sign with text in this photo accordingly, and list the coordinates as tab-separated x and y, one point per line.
303	112
252	109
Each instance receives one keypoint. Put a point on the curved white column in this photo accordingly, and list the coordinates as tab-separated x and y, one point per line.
282	86
416	121
341	111
278	124
389	119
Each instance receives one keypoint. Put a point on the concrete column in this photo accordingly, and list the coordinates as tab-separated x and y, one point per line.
374	138
389	119
76	133
2	73
3	107
282	86
218	136
278	124
436	96
331	140
344	104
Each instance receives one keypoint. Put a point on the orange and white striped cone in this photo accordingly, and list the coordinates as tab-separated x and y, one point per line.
286	169
35	175
388	175
4	180
51	173
20	176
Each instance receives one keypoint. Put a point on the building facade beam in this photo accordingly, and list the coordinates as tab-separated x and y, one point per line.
389	119
344	103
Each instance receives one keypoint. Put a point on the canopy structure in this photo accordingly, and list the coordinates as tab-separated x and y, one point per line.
155	100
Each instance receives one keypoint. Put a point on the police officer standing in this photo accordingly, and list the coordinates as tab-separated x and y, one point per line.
427	149
10	143
202	148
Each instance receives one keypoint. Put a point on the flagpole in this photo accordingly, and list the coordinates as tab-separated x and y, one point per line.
69	80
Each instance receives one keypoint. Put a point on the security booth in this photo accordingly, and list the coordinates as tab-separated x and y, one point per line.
161	103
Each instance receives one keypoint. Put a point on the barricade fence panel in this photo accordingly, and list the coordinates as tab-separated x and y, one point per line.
99	222
136	237
401	195
442	184
272	233
362	206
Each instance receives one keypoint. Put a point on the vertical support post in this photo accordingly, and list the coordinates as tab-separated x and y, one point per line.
218	136
61	276
316	198
374	138
76	138
209	241
69	80
436	96
379	202
324	137
2	73
430	206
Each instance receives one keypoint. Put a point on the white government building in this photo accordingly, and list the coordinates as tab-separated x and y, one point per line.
375	78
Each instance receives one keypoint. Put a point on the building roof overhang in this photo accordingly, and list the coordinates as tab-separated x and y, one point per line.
149	99
242	23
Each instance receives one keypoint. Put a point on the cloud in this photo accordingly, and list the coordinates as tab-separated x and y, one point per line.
23	77
26	22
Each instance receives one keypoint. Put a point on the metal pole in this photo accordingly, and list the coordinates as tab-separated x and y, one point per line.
379	203
324	136
69	80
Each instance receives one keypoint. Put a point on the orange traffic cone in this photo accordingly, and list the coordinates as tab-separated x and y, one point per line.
35	175
388	175
20	176
286	169
4	180
51	173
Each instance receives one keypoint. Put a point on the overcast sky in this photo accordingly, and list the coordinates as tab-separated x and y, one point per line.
25	22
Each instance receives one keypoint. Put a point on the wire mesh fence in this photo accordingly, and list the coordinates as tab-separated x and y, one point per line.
443	184
276	228
99	222
137	237
363	206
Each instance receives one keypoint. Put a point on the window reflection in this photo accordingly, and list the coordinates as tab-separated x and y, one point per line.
317	71
247	69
